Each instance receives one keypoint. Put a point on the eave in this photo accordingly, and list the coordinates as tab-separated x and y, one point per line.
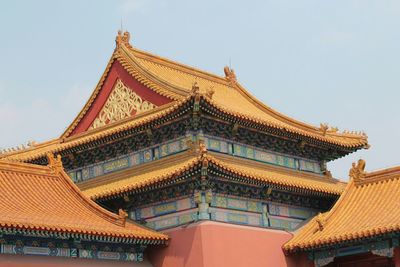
156	175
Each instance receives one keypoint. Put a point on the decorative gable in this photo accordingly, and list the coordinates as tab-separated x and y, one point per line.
118	96
121	103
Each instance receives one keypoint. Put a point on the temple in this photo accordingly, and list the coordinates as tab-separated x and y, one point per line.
227	179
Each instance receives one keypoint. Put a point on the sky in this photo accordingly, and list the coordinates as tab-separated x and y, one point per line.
317	61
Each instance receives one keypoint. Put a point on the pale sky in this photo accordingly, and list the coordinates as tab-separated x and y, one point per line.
316	61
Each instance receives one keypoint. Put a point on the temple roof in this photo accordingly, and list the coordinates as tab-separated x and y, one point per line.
174	166
368	208
43	199
174	82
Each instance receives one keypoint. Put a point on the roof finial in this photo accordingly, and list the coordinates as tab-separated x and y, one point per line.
122	37
357	171
230	75
55	163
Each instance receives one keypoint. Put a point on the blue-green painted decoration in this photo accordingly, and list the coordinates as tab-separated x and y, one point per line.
212	143
29	250
222	208
236	204
69	252
257	213
290	211
130	160
109	255
163	208
244	151
173	220
236	217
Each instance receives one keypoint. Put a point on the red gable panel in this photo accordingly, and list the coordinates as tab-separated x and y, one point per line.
117	72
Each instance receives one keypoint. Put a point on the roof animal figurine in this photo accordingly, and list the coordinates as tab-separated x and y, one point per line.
122	38
230	75
122	215
55	163
357	172
324	128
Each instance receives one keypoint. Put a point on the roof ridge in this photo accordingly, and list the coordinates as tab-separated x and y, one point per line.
18	166
384	172
343	196
178	65
100	211
129	62
33	146
381	175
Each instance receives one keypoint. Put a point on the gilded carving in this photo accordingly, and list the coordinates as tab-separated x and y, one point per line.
120	105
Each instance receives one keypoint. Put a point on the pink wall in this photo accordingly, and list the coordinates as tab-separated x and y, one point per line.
43	261
219	244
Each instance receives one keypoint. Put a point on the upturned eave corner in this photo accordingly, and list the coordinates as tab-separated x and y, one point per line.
341	227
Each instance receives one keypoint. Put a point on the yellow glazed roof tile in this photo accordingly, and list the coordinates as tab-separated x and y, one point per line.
36	197
163	170
369	207
232	97
175	80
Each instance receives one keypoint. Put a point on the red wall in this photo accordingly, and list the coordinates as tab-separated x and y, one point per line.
219	244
